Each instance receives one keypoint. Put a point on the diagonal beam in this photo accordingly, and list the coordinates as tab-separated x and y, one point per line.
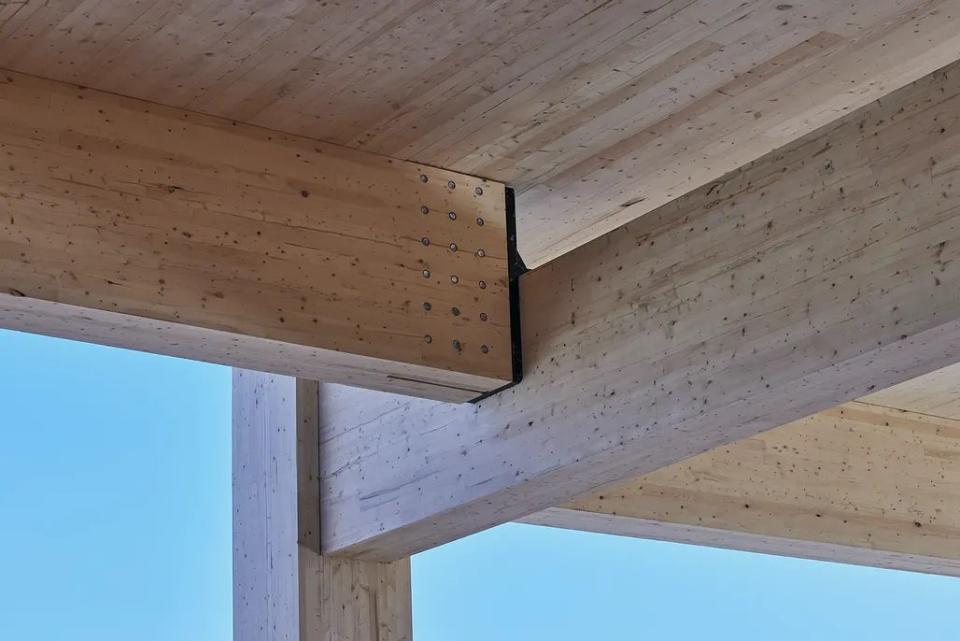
859	483
805	279
140	226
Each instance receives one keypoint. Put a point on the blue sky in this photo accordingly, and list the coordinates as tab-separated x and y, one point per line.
115	525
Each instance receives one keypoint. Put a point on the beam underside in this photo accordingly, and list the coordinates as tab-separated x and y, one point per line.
860	483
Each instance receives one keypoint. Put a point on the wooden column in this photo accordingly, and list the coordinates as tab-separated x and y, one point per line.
141	226
283	588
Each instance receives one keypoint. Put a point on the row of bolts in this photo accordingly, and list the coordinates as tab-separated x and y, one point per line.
454	278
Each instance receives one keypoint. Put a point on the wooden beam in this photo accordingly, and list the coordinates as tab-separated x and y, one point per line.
139	226
859	483
805	279
283	588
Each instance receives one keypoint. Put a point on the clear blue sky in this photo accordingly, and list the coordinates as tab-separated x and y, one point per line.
115	525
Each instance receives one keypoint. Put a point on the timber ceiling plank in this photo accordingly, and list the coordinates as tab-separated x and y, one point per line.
596	111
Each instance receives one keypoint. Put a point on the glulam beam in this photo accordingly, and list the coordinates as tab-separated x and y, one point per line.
805	279
141	226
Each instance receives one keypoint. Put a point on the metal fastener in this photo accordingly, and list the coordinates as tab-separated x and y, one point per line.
425	241
479	222
456	345
481	253
454	279
451	184
424	209
483	316
455	311
478	191
426	273
453	247
428	339
452	215
484	349
483	284
427	307
423	178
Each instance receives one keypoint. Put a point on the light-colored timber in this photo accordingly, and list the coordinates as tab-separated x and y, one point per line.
598	111
936	393
283	589
811	277
158	229
859	483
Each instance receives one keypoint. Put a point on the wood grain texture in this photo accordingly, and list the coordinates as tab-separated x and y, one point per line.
598	111
859	483
160	229
937	394
808	278
283	589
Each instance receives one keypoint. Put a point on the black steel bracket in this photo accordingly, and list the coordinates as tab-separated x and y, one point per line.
515	269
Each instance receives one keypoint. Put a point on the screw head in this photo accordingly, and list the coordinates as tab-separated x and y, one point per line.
483	284
484	349
481	253
478	191
425	241
451	184
427	307
455	311
483	316
456	345
452	215
453	247
479	222
424	209
426	273
423	178
454	279
428	339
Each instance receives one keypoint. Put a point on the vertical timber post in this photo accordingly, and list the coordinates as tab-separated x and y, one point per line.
282	588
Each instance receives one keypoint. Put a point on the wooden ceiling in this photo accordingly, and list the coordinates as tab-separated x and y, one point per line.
596	110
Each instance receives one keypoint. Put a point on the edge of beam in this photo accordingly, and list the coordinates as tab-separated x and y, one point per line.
616	525
115	329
